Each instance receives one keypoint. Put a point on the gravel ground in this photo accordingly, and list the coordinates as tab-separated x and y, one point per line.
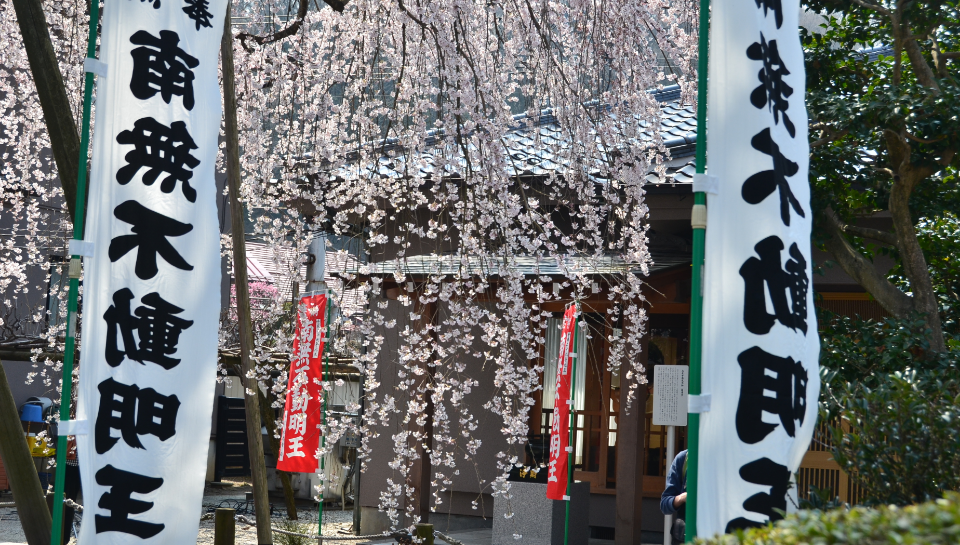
10	530
335	521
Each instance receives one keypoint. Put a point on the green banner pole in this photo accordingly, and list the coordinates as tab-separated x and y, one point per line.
698	222
66	379
573	422
323	411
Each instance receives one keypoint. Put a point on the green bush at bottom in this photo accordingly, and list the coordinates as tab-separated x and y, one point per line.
933	522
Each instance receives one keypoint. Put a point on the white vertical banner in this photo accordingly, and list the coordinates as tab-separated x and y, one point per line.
151	297
760	343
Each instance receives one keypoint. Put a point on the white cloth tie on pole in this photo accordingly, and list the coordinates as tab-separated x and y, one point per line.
95	66
698	404
73	427
81	248
706	183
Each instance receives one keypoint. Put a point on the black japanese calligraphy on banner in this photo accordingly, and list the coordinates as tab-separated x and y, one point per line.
132	412
761	185
162	67
773	92
152	288
760	345
161	149
770	504
766	279
785	379
199	11
119	503
156	324
775	7
149	239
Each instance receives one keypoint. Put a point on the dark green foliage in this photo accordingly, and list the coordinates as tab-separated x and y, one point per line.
940	240
883	96
900	404
902	444
865	352
821	499
857	95
934	523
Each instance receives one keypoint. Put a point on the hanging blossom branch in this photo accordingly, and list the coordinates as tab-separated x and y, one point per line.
395	123
505	144
34	223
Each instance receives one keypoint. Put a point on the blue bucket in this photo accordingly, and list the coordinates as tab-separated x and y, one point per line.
32	413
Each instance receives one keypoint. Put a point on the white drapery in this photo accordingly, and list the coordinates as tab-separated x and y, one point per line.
550	360
151	300
760	344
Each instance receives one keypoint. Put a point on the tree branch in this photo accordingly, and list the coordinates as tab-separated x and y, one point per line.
908	41
27	493
947	157
830	137
64	138
862	270
924	140
885	237
911	254
293	28
879	9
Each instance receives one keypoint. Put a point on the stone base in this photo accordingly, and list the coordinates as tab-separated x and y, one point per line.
538	520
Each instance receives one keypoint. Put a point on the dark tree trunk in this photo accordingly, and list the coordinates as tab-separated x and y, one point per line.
64	138
251	402
270	421
27	494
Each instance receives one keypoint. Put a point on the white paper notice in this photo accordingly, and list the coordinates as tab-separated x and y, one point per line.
670	395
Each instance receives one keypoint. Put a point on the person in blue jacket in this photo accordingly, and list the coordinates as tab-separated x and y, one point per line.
673	501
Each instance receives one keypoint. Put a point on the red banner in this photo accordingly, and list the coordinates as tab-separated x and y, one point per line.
300	439
560	430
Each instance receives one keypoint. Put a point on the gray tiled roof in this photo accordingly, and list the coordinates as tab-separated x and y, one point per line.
534	144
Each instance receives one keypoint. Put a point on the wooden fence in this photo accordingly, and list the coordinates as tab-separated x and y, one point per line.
820	470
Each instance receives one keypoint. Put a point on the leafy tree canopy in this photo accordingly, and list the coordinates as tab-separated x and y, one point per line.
884	104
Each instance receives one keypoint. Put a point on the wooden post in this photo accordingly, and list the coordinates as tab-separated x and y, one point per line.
269	419
251	402
24	481
425	532
422	472
225	527
631	447
358	461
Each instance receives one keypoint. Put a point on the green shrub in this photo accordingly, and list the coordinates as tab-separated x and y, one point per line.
296	526
935	522
900	405
902	444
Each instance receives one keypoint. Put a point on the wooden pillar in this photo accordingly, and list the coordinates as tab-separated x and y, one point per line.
225	527
258	470
421	474
630	454
27	493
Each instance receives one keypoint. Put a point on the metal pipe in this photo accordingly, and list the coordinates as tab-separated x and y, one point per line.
66	378
570	434
696	274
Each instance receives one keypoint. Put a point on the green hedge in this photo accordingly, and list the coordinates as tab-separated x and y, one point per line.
933	522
